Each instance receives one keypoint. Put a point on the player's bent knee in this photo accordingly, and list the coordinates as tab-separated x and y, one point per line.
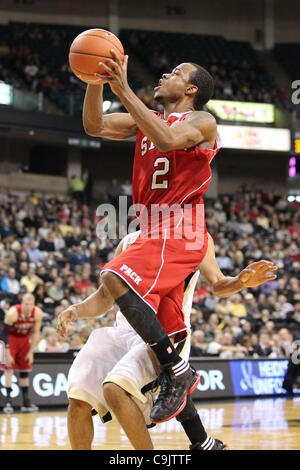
79	406
113	284
113	395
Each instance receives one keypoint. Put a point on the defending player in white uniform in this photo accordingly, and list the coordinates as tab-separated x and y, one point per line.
118	356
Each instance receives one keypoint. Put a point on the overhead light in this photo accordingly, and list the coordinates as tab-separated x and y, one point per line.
106	105
291	198
298	198
31	132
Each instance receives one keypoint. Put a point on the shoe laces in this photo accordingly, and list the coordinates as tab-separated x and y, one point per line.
164	381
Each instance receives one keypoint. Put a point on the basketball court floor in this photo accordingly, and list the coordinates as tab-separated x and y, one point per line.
256	424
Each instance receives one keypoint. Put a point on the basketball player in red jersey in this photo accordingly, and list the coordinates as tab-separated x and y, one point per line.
20	321
171	169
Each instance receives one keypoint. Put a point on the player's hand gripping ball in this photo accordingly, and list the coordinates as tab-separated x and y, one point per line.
88	49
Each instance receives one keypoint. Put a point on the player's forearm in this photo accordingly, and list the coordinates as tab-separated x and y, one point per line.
147	121
34	341
95	305
227	286
92	115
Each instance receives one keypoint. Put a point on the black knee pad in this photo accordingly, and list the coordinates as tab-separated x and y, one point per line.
189	411
24	375
141	317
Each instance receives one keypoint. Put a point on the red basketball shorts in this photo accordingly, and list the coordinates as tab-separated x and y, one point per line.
153	267
19	347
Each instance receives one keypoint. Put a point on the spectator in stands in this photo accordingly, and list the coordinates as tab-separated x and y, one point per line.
114	190
223	347
198	345
34	253
286	341
31	280
9	283
78	258
264	347
77	188
236	307
224	262
251	306
56	292
75	341
49	341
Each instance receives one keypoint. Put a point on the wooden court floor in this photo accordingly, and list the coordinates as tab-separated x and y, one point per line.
260	424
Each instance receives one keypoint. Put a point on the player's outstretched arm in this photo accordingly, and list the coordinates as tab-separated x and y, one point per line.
93	306
35	335
116	126
253	275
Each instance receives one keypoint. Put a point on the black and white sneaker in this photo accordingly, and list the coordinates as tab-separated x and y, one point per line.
173	392
8	409
29	408
209	444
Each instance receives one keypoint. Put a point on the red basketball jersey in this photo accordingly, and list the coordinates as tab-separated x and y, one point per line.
176	177
23	325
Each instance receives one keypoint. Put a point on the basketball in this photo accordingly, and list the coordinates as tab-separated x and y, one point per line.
88	49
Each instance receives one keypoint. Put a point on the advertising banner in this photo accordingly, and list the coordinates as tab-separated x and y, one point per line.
5	94
257	378
242	111
215	379
255	138
48	385
218	379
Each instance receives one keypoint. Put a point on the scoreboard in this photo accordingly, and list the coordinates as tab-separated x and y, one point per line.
296	146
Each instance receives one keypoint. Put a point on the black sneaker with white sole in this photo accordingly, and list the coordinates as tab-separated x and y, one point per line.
173	393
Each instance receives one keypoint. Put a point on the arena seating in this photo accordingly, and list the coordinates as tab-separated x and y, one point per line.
46	46
236	67
237	70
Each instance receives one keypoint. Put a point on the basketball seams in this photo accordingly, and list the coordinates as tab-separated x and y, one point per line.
88	53
108	40
84	73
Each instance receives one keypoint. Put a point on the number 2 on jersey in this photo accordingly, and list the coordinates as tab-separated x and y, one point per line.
165	183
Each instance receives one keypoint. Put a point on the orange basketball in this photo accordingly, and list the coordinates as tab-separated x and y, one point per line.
88	49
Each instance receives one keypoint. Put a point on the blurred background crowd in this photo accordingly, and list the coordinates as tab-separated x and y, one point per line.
34	57
49	247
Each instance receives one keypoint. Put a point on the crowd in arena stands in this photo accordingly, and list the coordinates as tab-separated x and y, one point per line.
24	64
24	67
49	247
234	78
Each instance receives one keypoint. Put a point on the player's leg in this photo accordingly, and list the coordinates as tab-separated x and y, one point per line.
195	431
141	316
129	416
105	346
8	407
80	425
24	381
24	368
